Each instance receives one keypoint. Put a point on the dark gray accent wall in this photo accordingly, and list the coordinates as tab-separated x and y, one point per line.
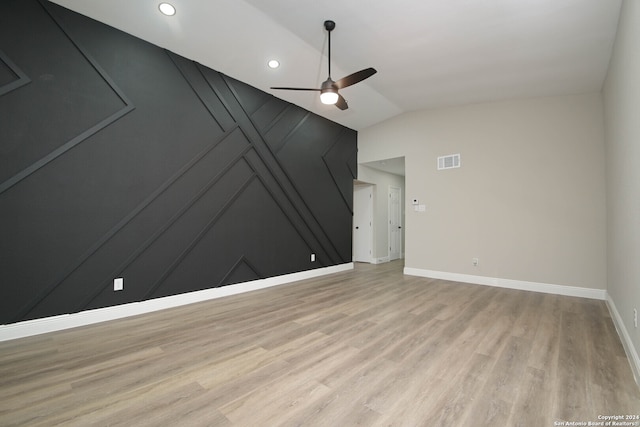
121	159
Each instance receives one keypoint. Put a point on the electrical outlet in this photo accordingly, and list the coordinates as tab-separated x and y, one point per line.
474	261
118	284
313	257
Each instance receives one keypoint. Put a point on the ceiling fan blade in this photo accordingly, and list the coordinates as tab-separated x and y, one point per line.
356	77
341	103
295	88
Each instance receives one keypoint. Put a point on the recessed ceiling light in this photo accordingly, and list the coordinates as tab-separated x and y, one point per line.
167	9
273	63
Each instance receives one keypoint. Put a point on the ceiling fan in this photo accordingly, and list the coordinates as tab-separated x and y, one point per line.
329	89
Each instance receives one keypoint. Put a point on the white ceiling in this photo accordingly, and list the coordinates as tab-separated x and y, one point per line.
428	53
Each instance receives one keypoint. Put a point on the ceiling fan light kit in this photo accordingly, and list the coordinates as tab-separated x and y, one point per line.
329	97
329	89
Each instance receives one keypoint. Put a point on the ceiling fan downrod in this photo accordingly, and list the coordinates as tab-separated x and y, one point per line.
329	26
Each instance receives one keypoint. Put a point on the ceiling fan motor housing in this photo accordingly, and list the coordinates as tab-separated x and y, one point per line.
329	85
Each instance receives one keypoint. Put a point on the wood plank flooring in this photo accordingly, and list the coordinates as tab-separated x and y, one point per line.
366	347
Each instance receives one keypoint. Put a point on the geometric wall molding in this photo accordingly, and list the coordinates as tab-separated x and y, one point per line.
86	133
15	76
207	182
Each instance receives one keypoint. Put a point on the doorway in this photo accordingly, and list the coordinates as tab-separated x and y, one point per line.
387	180
362	222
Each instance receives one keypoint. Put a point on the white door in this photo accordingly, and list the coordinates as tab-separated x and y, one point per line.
362	222
395	223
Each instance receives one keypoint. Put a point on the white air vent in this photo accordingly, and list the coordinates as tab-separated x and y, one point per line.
449	162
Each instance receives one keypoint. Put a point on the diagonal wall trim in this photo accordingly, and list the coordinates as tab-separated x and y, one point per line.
176	262
34	167
292	132
215	90
278	117
206	104
112	232
280	174
344	198
333	177
86	55
295	189
87	133
289	215
353	160
156	235
265	101
140	196
19	82
242	260
262	148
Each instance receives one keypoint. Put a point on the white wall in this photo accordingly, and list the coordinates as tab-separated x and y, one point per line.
528	201
622	124
382	181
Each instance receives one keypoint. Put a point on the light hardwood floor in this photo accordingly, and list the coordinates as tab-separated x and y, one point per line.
366	347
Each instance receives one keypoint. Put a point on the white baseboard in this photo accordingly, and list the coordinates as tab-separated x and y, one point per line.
632	354
88	317
600	294
546	288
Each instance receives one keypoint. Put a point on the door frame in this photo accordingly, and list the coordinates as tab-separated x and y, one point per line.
389	229
357	205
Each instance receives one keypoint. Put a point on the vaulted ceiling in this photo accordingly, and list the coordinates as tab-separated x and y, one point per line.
428	53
